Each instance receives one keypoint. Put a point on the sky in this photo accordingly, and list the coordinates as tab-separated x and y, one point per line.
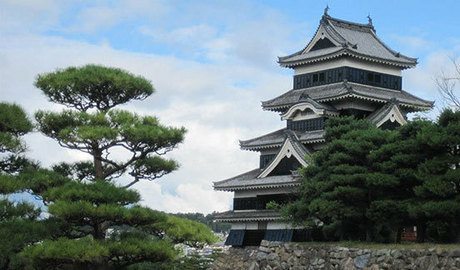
211	63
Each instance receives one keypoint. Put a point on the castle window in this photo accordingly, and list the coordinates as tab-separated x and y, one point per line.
321	77
351	74
370	77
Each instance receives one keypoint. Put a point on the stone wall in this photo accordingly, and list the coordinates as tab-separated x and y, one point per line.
276	255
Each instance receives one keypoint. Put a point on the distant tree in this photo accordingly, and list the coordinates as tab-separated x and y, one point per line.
448	85
104	227
218	227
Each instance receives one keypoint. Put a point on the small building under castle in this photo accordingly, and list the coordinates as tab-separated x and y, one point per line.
345	69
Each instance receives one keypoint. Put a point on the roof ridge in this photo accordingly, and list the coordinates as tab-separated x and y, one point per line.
360	25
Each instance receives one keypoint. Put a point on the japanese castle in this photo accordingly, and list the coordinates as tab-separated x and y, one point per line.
344	70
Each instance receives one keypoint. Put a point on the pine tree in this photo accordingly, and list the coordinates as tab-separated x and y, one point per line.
339	184
93	126
438	194
19	223
104	225
397	161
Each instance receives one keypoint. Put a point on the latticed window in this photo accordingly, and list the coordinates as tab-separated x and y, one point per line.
306	125
351	74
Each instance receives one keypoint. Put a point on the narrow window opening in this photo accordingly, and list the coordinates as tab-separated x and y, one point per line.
321	77
370	77
315	77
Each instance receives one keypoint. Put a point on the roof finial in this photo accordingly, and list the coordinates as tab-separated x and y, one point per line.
370	19
326	10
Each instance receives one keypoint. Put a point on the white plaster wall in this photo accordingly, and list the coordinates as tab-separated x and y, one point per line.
349	63
278	226
244	226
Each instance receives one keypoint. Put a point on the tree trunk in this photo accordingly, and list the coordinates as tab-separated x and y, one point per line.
421	232
398	235
97	154
99	233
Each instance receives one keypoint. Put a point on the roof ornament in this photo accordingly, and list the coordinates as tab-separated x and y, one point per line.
326	10
369	19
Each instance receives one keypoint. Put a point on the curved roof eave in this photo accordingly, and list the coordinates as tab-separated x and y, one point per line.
347	52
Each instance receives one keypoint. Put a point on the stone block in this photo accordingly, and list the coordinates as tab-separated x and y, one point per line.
254	266
261	256
273	257
362	261
264	243
264	249
349	264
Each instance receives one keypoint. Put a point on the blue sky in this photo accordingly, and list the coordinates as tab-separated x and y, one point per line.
212	62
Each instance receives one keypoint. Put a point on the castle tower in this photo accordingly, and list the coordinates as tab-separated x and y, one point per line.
344	70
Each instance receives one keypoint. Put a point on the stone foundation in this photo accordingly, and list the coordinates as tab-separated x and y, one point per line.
296	256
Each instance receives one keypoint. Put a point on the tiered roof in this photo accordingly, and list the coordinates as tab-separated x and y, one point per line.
346	39
277	138
341	90
249	180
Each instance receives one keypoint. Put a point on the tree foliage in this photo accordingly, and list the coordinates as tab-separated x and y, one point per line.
92	222
19	224
367	183
438	194
93	87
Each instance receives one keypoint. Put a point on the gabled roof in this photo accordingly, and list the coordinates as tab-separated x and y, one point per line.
329	92
249	180
292	147
316	107
276	139
350	39
388	112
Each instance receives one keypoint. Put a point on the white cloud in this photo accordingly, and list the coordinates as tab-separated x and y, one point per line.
101	15
199	96
28	15
421	80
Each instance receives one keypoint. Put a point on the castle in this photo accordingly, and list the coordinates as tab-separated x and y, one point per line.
344	70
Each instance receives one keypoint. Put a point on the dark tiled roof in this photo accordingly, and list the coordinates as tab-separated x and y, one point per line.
272	139
276	139
353	39
249	180
345	89
256	215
